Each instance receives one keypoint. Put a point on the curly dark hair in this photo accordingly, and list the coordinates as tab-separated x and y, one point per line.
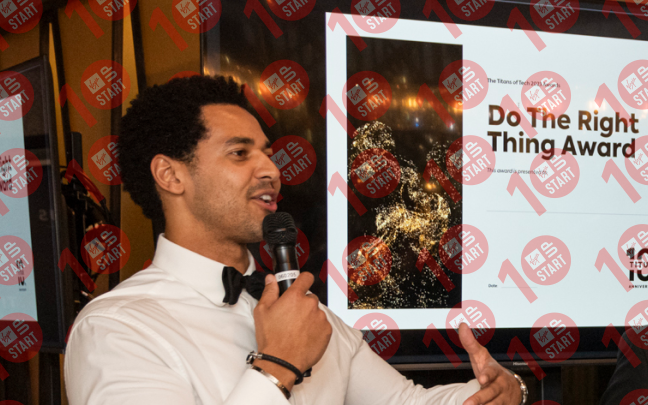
167	120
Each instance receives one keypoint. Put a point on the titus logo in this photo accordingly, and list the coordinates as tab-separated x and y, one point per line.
101	158
637	265
7	7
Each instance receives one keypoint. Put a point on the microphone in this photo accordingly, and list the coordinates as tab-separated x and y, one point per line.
280	233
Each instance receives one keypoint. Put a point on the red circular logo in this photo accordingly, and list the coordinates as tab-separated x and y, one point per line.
555	337
16	96
367	260
546	260
637	166
302	249
636	324
21	337
375	173
20	173
105	84
633	247
196	16
476	315
375	16
102	160
295	158
463	249
369	95
291	10
470	10
548	92
105	249
470	160
20	16
633	84
284	84
381	334
463	83
556	177
553	15
183	74
112	10
639	8
635	397
16	260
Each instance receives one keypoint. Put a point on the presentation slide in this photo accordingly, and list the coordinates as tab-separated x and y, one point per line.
493	179
17	291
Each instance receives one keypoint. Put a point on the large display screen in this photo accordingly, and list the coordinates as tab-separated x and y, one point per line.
527	205
18	297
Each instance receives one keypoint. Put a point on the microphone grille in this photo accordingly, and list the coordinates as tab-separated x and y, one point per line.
279	228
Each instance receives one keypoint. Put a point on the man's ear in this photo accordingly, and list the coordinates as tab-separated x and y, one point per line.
169	174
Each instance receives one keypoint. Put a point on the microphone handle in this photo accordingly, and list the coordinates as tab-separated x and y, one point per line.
286	266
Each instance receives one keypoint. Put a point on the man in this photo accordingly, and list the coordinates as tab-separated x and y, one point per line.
630	375
175	333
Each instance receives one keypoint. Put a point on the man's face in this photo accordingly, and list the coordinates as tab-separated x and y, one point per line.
235	184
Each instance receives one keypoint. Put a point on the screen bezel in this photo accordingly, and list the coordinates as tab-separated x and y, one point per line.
216	44
49	235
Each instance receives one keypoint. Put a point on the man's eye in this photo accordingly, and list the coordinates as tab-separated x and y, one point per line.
240	153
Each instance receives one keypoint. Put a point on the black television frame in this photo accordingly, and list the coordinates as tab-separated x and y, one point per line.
49	237
238	24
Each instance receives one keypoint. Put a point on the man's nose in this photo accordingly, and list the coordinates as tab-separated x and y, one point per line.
268	169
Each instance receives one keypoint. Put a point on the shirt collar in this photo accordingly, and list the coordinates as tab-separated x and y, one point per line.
198	272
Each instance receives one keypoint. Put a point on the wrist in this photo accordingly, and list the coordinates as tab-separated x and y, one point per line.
285	376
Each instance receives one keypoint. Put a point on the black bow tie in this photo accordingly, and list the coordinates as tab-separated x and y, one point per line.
234	282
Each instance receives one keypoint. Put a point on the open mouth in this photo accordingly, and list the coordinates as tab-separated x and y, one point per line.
267	201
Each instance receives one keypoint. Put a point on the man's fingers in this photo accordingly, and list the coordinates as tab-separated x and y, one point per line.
485	395
270	292
488	375
303	282
468	340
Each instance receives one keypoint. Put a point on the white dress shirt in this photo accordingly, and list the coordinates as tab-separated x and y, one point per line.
165	337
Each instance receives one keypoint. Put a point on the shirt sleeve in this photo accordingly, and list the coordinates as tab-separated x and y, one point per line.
626	377
373	381
113	362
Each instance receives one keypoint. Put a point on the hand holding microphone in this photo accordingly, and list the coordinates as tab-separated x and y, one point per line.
291	327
